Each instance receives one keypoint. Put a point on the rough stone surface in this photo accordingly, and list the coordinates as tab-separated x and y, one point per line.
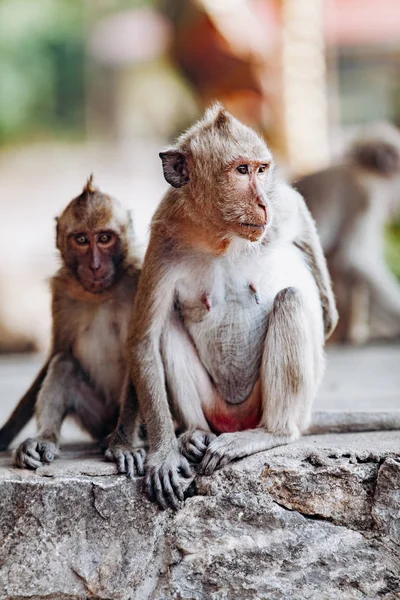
319	519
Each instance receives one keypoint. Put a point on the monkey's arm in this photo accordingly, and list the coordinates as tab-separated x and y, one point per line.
153	306
308	242
125	446
24	410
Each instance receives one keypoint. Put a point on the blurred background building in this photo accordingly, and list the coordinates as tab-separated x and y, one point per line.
101	86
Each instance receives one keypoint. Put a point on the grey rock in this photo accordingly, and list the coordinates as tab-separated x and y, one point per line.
315	520
386	505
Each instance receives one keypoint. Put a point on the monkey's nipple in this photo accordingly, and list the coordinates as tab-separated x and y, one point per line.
206	300
254	290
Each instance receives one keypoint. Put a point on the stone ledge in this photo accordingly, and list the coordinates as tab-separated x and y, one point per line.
319	519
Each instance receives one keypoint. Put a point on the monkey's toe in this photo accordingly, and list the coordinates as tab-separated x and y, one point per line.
34	453
129	461
193	444
163	483
218	454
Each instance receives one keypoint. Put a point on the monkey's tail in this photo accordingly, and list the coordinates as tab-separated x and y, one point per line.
350	422
23	412
20	416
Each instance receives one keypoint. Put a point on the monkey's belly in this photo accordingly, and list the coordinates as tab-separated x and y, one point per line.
230	345
228	418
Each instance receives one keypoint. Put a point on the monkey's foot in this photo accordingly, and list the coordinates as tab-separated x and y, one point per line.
34	453
129	460
162	483
222	450
193	444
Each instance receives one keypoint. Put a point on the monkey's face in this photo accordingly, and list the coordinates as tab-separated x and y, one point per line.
243	205
95	258
227	170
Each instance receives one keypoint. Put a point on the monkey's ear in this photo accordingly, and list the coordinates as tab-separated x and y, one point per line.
175	167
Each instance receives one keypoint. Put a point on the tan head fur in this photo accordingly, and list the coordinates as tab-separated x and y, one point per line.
223	172
84	227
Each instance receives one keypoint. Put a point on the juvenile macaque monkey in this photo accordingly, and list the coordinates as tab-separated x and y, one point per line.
92	296
233	307
351	203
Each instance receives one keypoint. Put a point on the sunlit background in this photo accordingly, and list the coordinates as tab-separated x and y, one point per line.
100	86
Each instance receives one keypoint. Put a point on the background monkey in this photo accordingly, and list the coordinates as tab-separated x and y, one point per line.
92	296
351	203
233	306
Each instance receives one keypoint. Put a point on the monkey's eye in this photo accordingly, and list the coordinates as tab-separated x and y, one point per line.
263	168
104	238
243	169
81	239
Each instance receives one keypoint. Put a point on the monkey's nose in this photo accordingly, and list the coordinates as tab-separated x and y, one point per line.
95	268
262	209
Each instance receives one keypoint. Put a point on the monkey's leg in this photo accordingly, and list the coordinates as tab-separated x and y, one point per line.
51	408
359	313
125	445
65	389
292	365
371	268
188	383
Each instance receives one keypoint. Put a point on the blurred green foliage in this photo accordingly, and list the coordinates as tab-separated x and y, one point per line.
392	247
43	66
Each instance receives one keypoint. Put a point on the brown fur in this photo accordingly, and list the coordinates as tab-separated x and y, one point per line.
225	367
81	377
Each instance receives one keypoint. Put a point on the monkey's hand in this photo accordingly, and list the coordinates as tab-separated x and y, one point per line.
129	460
222	450
193	444
162	483
34	453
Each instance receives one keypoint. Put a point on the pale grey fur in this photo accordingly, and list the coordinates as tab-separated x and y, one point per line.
351	202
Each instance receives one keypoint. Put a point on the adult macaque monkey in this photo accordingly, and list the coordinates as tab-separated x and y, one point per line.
92	295
351	202
232	310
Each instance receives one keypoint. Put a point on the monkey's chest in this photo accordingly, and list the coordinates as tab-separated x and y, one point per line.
228	325
100	350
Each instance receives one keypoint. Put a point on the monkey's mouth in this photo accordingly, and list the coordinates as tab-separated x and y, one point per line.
254	225
95	286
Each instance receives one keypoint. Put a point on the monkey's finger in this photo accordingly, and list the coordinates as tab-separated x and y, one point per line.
47	455
31	447
209	464
174	499
199	442
148	488
120	459
184	468
139	461
194	452
26	462
32	453
209	437
176	485
158	491
130	466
